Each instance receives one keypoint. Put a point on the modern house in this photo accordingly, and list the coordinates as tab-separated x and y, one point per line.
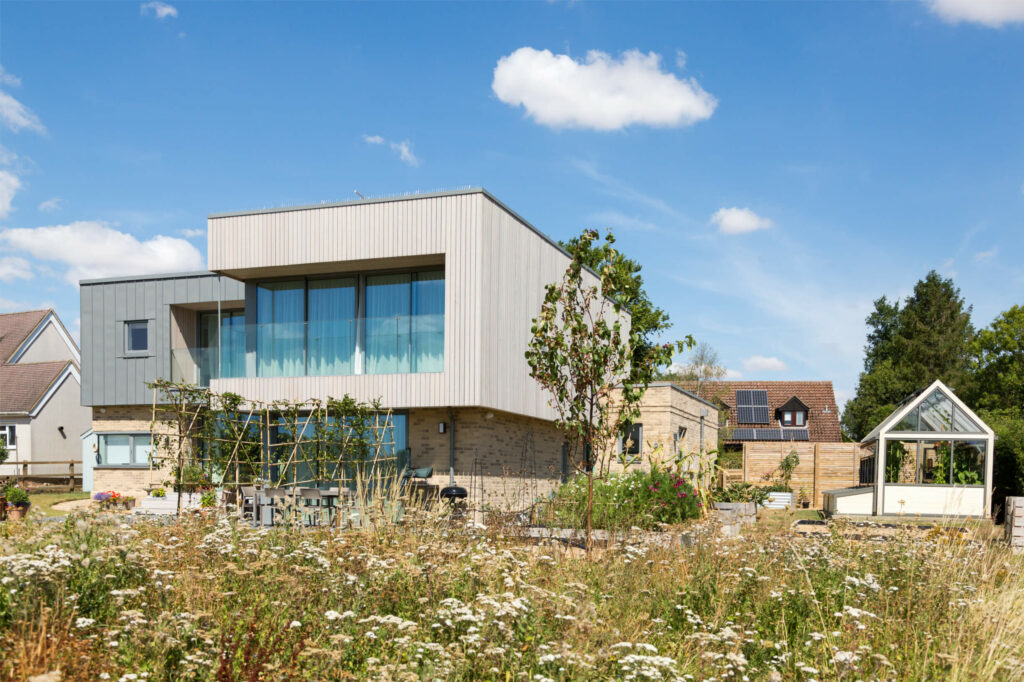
41	417
422	301
673	422
932	456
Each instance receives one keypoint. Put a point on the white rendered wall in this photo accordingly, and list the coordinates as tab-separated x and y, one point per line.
934	500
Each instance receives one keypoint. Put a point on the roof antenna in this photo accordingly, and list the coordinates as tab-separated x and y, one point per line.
360	194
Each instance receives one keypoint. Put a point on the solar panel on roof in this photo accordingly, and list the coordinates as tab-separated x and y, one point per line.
743	434
751	398
748	414
795	434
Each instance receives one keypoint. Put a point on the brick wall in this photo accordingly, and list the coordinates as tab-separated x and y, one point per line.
505	461
664	410
135	481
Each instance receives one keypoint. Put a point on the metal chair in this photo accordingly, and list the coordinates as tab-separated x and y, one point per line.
248	506
312	506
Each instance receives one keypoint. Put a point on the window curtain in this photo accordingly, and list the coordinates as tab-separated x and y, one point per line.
332	330
115	449
387	323
428	322
232	349
281	333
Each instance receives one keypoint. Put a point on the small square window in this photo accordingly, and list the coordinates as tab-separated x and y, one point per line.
136	337
800	418
787	418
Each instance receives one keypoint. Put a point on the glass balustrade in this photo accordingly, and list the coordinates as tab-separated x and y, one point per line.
400	344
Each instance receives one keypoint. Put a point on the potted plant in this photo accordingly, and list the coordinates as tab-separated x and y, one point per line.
803	499
108	499
128	502
159	492
737	500
17	502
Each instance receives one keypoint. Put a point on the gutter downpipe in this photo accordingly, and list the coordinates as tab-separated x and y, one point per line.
451	447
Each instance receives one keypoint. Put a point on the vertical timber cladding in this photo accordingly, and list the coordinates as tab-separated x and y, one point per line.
496	268
823	466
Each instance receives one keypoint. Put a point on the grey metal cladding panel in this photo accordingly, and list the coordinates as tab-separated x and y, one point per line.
85	340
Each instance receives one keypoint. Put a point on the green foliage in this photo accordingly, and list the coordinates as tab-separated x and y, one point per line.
16	496
909	347
786	468
740	492
4	452
621	501
998	352
208	499
159	492
894	456
192	479
1008	460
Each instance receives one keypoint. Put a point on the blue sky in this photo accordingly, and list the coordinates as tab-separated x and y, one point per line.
774	166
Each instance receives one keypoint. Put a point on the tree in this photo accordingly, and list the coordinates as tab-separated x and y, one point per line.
581	354
907	348
998	362
626	288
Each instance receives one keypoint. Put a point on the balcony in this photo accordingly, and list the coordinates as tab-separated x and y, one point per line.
401	344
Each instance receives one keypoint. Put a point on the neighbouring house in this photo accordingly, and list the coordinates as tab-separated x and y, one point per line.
672	421
41	416
932	456
422	301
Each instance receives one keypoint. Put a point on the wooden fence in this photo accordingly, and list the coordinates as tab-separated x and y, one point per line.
68	473
823	466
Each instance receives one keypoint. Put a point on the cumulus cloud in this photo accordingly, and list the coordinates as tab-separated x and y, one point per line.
12	268
95	249
403	148
992	13
599	92
50	205
15	115
9	186
733	374
160	10
760	363
190	233
739	221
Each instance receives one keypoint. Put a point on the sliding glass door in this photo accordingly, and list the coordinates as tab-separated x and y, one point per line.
332	326
388	307
281	332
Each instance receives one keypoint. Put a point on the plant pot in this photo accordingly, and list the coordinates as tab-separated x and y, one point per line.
128	504
806	504
17	513
746	512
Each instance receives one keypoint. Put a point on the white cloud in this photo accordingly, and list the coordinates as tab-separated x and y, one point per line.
600	92
51	204
12	268
17	116
190	233
95	249
983	256
739	221
733	374
621	221
7	157
760	363
9	185
160	10
9	78
403	148
992	13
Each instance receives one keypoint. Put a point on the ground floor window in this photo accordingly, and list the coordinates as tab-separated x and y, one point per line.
8	437
123	449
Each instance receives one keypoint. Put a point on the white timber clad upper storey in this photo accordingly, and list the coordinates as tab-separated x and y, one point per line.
496	266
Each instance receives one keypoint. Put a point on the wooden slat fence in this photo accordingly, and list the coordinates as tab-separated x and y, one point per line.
823	466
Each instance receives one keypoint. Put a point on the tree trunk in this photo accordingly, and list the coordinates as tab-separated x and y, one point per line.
590	507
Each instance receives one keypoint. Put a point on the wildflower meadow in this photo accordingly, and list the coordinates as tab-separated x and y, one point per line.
209	597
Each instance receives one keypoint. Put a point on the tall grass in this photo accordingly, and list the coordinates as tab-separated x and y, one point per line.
206	598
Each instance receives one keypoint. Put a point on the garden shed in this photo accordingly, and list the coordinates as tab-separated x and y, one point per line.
931	457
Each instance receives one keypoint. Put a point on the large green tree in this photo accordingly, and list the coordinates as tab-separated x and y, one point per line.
626	289
998	363
929	337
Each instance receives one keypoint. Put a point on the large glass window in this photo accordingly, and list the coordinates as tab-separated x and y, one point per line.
281	332
123	449
428	322
937	413
232	346
388	308
332	326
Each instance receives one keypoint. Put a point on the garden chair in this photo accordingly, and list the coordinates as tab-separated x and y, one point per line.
312	508
248	506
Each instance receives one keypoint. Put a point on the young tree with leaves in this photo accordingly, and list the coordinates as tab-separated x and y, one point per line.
585	354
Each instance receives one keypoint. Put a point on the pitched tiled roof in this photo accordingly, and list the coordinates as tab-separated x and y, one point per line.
820	398
21	386
15	328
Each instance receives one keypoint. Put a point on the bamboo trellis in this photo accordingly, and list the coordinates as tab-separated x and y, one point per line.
205	438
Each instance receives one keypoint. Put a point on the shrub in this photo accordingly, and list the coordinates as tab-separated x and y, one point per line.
16	496
159	492
740	492
644	499
208	499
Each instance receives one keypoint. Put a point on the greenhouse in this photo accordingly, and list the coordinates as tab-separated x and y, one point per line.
931	457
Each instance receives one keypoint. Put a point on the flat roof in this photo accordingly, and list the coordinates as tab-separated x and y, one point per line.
662	384
160	275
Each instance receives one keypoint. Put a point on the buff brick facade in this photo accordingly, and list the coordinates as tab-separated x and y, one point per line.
136	480
505	461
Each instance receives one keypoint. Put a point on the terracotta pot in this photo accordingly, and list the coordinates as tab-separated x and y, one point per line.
17	513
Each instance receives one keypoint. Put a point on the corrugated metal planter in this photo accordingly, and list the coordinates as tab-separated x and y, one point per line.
779	501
